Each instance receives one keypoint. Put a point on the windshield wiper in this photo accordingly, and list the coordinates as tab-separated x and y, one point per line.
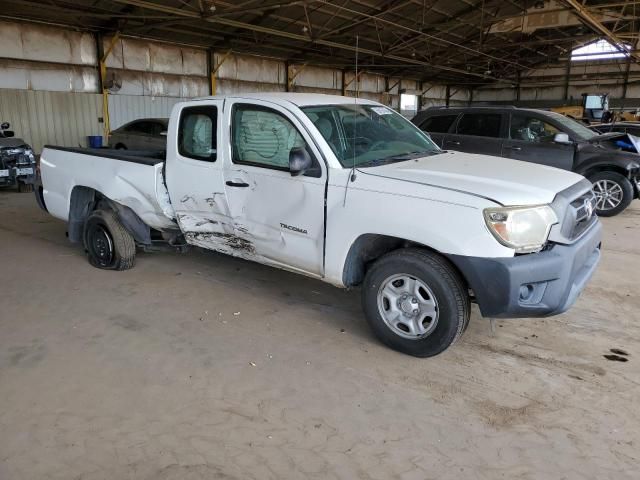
400	157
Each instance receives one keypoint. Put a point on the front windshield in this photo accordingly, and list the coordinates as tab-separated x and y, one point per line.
366	135
576	129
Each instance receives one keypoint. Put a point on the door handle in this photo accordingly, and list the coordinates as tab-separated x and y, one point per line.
237	184
452	142
512	147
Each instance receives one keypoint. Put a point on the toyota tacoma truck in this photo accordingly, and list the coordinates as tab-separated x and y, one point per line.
346	191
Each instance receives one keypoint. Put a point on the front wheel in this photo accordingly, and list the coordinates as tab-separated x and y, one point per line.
415	302
613	191
108	244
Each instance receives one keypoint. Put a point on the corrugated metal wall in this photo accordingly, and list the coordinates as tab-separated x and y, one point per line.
59	118
41	57
49	81
124	108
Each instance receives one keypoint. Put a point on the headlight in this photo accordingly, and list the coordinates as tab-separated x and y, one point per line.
524	229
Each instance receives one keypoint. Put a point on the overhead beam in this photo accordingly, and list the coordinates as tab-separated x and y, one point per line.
597	26
294	36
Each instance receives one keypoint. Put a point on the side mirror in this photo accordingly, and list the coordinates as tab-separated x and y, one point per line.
4	125
562	138
299	161
163	134
7	133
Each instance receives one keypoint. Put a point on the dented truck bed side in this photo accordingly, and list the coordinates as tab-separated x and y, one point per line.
132	181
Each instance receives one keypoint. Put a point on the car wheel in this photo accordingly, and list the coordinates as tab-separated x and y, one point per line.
25	187
121	146
613	191
415	302
108	244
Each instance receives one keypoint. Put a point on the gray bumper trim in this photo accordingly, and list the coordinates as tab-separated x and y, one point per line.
535	285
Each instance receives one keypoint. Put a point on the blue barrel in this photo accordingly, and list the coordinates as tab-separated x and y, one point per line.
95	141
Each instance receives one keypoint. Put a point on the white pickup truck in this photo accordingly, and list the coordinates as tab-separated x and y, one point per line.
346	191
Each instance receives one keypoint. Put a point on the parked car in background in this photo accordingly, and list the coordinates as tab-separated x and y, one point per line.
632	128
142	134
542	137
347	191
17	161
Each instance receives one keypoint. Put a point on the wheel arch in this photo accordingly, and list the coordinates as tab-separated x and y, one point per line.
605	167
369	247
84	200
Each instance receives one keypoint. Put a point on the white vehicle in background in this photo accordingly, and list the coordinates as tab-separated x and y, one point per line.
346	191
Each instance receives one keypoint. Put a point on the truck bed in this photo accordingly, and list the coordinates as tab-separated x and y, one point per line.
144	157
132	178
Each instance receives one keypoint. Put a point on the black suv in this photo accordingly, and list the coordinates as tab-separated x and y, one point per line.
543	137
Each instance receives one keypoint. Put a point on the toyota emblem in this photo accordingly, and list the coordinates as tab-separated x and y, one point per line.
588	206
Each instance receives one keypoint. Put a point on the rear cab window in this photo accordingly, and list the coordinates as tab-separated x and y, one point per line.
197	133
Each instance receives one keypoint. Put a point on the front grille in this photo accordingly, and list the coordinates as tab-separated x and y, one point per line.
574	207
584	213
23	160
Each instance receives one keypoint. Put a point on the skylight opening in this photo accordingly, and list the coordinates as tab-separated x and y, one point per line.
599	50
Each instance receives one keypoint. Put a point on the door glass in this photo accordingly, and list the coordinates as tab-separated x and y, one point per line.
480	124
438	124
158	128
197	133
533	130
263	137
139	127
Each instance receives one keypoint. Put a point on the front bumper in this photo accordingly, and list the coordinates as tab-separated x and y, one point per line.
535	285
9	175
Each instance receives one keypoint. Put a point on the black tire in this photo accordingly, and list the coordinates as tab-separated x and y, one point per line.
121	146
25	187
108	244
623	184
446	285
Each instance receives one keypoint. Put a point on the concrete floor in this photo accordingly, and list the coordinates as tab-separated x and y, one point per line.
201	366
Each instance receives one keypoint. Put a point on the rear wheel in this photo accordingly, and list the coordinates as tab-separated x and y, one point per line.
613	191
108	244
415	302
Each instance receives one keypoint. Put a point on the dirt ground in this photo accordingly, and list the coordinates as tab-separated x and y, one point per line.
201	366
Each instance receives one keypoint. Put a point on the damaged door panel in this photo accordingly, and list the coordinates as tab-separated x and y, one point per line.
195	179
281	215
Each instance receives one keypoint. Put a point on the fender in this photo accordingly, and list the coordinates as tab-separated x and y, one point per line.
625	163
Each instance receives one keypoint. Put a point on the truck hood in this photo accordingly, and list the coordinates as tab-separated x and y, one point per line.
501	180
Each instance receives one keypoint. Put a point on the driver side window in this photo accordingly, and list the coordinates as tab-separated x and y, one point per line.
530	129
263	137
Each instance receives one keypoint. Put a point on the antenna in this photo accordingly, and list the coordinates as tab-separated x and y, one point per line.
355	112
352	175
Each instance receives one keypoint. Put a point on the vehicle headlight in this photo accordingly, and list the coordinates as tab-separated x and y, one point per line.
524	229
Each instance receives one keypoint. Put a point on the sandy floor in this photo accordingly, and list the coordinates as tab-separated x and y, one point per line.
201	366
